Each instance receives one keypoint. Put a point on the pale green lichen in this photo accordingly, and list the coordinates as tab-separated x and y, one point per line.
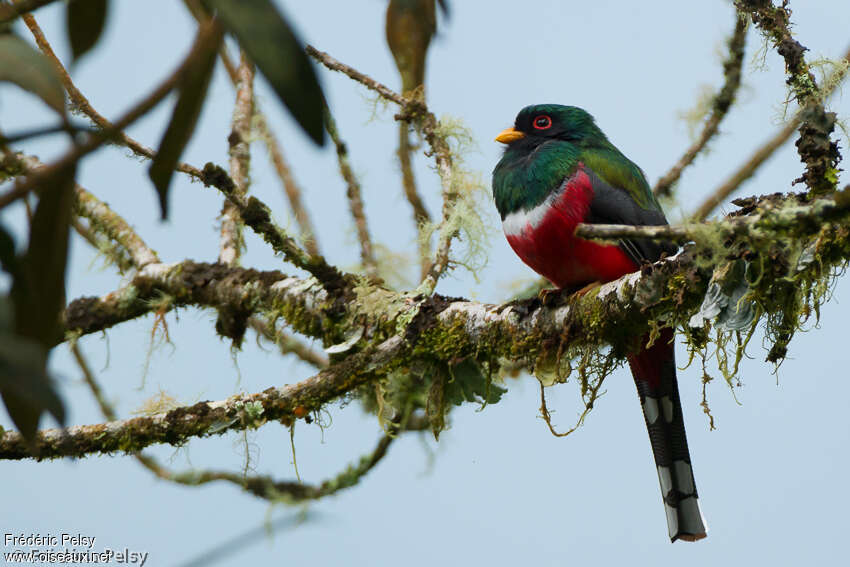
160	403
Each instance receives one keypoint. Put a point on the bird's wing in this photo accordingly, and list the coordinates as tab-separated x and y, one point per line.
612	205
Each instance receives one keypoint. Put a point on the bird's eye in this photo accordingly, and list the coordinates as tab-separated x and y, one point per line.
542	122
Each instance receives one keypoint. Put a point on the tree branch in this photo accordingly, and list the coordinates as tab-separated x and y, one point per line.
17	8
94	141
287	343
746	170
102	219
720	106
415	110
207	418
239	149
354	196
438	328
421	217
816	150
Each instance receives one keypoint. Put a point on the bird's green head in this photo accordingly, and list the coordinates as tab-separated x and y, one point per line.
545	145
540	123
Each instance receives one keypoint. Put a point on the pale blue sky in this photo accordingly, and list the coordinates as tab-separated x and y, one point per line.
498	489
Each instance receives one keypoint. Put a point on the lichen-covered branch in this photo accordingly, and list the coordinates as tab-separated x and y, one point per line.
80	103
747	169
239	150
261	486
816	149
421	217
354	196
238	412
719	107
435	328
256	215
102	219
287	343
414	110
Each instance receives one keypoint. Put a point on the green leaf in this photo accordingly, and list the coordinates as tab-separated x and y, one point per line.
85	21
21	64
468	384
25	387
271	44
435	409
39	289
192	94
38	296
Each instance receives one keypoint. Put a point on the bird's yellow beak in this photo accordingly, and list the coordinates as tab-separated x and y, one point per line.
509	135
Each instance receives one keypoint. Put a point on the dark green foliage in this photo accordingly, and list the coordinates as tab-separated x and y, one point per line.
85	21
463	382
192	94
30	70
469	384
25	387
31	321
269	41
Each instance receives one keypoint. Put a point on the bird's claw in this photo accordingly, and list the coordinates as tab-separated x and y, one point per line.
582	291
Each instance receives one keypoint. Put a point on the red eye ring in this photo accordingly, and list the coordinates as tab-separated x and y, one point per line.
542	122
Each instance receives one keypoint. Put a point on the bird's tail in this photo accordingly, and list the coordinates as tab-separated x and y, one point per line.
654	371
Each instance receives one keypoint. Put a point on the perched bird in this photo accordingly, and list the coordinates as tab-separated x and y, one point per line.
559	170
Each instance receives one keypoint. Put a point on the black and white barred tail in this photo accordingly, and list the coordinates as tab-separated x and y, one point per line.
654	371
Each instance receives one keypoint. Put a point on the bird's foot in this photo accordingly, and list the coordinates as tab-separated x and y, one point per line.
547	296
582	291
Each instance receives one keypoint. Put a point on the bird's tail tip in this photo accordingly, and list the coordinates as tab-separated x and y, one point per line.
685	521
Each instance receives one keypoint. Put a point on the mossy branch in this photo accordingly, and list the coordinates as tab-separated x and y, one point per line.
416	111
239	412
816	149
239	151
102	219
720	105
404	329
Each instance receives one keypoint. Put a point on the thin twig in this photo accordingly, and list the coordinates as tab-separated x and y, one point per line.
258	219
20	7
290	186
720	106
239	143
287	343
421	217
365	80
82	104
747	169
257	215
284	173
101	217
816	148
415	110
355	197
618	231
238	412
106	408
94	141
